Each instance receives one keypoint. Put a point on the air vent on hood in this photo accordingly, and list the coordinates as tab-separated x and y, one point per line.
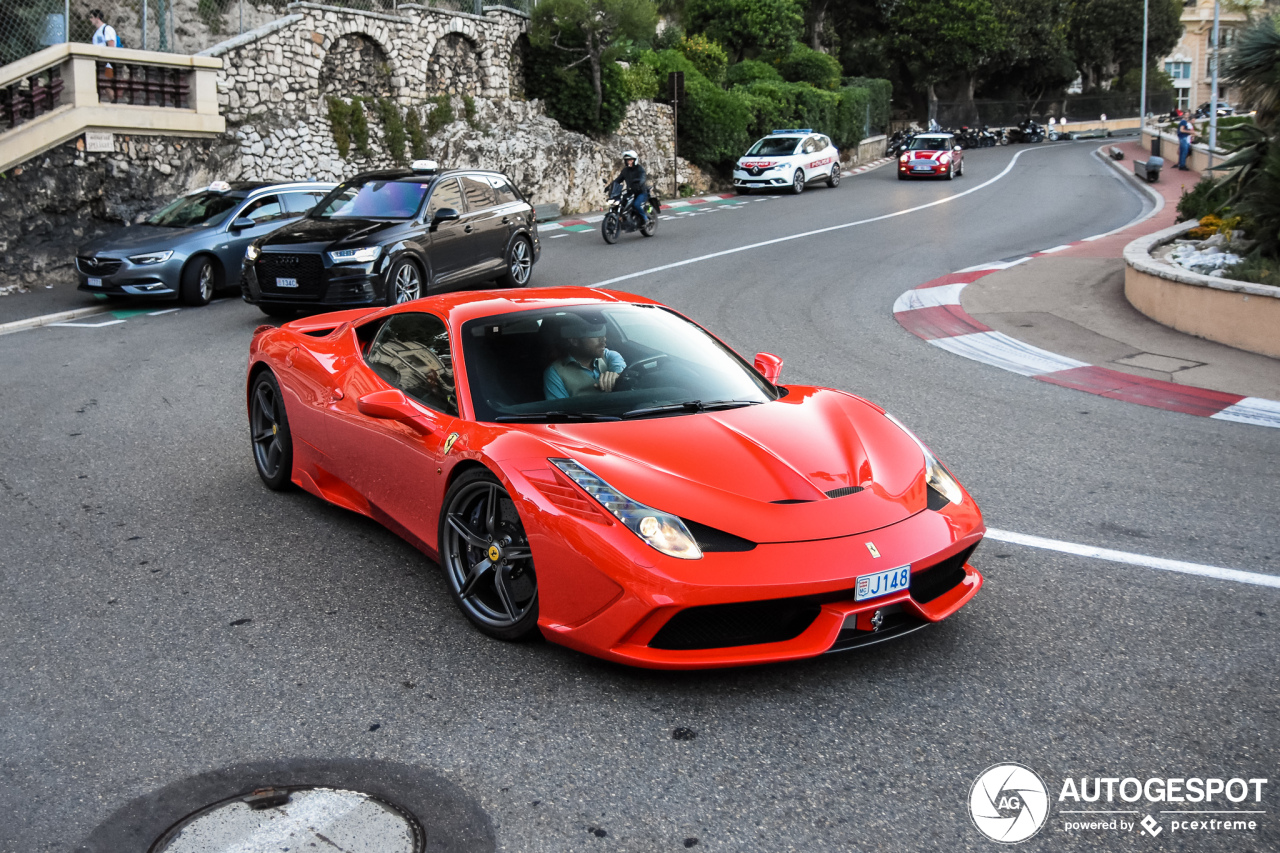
847	490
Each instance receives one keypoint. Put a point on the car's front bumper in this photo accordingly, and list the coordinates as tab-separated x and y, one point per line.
136	280
337	286
766	179
604	592
916	169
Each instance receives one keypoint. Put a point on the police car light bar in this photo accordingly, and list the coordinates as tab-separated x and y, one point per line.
795	130
424	166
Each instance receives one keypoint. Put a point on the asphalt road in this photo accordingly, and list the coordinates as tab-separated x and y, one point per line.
136	539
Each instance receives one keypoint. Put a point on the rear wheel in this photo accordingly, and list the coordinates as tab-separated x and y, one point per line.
269	431
610	227
833	180
651	224
797	182
519	264
486	557
199	281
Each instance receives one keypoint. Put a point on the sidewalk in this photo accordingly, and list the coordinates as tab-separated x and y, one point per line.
1061	316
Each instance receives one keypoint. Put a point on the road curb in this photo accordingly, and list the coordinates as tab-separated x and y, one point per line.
933	313
59	317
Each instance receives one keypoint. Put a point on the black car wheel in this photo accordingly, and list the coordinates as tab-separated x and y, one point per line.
404	283
486	557
797	182
610	227
519	264
199	281
960	170
269	430
834	180
650	227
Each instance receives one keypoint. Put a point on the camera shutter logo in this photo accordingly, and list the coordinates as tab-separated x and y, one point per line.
1009	803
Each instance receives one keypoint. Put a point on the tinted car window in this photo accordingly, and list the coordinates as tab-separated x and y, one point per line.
810	145
934	144
375	200
203	208
411	352
503	190
446	194
773	146
479	193
296	203
265	209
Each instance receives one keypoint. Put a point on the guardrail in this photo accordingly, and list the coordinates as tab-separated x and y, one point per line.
59	92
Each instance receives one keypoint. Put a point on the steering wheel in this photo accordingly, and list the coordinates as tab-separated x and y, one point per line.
631	376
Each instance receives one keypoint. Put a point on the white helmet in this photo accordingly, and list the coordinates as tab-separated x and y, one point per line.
629	154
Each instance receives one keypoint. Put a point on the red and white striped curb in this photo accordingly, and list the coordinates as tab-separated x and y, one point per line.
933	313
874	164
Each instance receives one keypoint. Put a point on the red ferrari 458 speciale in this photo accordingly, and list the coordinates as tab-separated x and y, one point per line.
595	466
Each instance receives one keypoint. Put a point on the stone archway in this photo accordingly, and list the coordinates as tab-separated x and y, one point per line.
517	62
356	65
453	68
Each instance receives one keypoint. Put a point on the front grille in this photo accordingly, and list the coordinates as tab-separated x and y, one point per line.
717	626
98	266
307	269
928	584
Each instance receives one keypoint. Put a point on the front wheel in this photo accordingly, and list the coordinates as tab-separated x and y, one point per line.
404	283
651	224
269	431
519	264
486	557
960	171
610	227
797	182
833	180
199	281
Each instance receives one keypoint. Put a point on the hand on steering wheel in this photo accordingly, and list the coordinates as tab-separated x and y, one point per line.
631	376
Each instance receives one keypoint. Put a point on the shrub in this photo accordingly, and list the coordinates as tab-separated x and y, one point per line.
339	125
669	38
706	55
806	65
417	139
1209	225
641	82
1206	197
880	92
393	131
441	114
469	110
359	128
713	123
1256	268
569	96
750	71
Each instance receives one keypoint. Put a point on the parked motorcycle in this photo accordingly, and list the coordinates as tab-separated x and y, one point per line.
987	139
621	214
1026	131
898	142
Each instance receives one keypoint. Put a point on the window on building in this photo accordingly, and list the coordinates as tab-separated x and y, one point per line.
1183	99
1178	70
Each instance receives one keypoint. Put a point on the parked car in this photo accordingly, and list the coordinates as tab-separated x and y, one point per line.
395	235
788	158
931	155
193	246
1224	109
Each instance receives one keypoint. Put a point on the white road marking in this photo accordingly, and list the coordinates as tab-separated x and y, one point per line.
554	236
827	230
88	325
1252	410
165	311
929	297
1000	350
1216	572
1055	249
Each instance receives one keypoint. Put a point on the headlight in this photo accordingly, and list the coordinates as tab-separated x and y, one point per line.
251	253
945	158
904	158
936	475
355	256
151	258
660	530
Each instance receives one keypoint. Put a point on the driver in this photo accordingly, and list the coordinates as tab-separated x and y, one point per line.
634	176
585	366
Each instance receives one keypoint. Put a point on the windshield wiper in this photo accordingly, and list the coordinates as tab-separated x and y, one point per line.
690	406
548	417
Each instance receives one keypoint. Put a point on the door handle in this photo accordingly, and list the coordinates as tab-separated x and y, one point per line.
506	219
467	229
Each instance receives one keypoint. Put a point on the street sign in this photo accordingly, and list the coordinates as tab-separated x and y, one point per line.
97	140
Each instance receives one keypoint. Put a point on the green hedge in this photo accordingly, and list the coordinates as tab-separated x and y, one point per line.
881	92
750	71
806	65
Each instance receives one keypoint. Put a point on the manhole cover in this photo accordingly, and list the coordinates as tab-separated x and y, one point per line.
295	819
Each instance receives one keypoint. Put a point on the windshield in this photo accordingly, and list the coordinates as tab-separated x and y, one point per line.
203	208
544	366
774	146
373	200
927	144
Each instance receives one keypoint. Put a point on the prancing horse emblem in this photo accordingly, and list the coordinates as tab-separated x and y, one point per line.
871	546
453	436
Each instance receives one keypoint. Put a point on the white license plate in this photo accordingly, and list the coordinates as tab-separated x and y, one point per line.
95	282
286	282
926	168
883	583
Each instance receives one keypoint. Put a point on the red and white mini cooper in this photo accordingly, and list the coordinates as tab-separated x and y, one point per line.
788	158
931	155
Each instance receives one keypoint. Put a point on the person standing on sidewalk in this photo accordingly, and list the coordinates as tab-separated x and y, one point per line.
1185	131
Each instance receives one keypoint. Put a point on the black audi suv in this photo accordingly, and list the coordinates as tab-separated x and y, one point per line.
390	236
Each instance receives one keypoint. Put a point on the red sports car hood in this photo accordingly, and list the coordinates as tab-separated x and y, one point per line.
768	473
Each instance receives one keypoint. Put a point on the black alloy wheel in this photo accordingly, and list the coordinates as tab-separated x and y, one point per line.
610	227
651	224
404	282
519	264
834	180
199	281
797	182
486	557
269	430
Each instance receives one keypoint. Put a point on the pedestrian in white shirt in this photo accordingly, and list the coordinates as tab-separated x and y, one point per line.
104	35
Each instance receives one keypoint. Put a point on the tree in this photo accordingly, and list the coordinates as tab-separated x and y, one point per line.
1106	35
1036	57
942	39
592	32
747	26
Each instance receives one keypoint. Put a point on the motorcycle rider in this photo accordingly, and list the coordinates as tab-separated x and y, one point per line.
633	175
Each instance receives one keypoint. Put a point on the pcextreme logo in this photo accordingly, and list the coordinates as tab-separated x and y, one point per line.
1009	803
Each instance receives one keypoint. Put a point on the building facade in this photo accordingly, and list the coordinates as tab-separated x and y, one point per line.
1191	63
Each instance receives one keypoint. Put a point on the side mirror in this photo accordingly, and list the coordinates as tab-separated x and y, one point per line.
769	365
957	148
444	214
393	405
242	223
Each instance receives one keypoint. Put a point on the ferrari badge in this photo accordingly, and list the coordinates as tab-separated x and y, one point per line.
448	442
871	546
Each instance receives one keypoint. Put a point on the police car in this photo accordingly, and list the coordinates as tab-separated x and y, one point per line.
788	158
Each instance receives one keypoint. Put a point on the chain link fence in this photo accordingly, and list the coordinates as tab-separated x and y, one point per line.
175	26
1075	108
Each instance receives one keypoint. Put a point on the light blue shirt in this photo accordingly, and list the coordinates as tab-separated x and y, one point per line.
553	385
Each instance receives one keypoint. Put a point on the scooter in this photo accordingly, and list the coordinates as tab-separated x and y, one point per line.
622	216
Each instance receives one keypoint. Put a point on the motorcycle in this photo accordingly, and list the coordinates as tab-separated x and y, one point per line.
621	214
1026	131
987	139
899	142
